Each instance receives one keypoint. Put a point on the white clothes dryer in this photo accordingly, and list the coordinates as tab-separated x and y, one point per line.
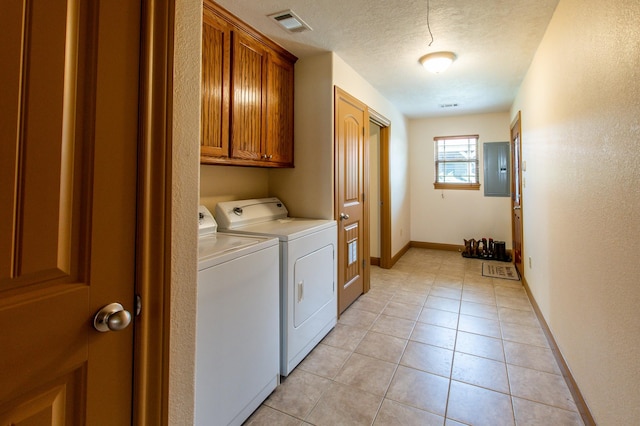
308	270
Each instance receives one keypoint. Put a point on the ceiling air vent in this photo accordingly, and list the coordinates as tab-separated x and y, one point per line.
290	21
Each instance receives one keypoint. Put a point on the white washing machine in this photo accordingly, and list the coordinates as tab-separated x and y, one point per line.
237	327
308	270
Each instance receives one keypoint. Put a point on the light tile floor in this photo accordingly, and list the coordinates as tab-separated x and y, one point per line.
432	343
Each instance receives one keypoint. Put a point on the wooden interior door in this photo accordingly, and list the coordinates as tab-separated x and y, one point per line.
68	144
516	193
352	211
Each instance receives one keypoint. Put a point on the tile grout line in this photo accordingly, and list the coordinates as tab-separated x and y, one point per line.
453	357
504	354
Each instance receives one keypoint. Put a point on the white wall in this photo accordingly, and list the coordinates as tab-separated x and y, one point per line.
580	104
307	189
227	183
449	216
184	202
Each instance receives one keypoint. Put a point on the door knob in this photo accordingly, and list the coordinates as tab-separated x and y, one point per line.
112	317
344	216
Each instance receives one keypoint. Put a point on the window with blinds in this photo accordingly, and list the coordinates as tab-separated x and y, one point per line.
456	162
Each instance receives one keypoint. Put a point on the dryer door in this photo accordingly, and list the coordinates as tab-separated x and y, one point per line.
313	283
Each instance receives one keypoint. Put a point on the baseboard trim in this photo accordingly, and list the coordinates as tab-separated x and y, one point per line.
581	404
374	261
436	246
398	255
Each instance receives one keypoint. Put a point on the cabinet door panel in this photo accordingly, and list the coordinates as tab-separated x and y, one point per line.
279	144
216	45
248	98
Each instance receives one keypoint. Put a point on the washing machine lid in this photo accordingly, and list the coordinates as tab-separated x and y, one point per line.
240	213
286	229
214	249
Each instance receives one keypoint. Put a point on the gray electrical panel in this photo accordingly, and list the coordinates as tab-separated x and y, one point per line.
497	169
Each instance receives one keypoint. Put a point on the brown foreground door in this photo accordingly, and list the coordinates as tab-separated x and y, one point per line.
352	212
68	143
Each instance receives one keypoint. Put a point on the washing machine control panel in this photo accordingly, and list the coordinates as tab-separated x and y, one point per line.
206	223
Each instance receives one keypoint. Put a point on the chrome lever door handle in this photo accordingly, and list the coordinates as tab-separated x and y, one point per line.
112	317
344	216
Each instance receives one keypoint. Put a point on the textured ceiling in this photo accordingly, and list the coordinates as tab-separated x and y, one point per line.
382	40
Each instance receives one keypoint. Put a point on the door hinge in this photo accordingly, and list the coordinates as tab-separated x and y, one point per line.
364	263
363	197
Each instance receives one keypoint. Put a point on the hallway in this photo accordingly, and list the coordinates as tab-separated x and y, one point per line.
432	343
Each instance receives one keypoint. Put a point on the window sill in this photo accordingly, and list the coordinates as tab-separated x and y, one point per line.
465	186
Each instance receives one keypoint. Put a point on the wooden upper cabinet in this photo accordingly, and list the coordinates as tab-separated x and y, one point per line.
216	45
279	110
249	113
247	94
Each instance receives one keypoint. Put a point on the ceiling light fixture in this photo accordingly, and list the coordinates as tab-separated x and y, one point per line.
437	62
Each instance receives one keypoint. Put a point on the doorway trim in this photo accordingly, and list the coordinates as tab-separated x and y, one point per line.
516	125
153	252
385	188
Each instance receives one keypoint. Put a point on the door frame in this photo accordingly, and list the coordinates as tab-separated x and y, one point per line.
385	188
516	124
153	242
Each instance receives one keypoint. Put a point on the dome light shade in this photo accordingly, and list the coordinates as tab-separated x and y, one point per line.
437	62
